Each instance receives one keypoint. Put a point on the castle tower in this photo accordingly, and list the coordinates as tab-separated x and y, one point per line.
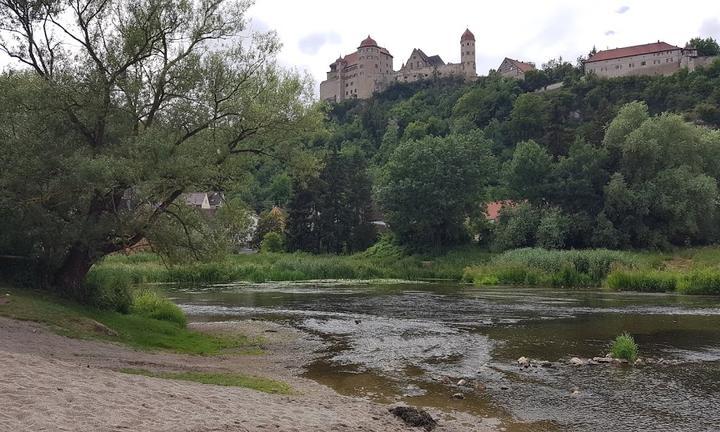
467	54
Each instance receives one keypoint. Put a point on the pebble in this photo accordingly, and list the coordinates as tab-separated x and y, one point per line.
462	382
458	396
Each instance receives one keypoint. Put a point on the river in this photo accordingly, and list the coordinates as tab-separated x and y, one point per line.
412	342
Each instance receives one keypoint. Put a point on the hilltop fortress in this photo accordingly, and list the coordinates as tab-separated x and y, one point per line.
370	69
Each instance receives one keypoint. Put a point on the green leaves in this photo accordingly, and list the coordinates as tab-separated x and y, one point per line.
429	187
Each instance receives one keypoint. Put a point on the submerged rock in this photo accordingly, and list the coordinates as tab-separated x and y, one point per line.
414	417
458	396
576	361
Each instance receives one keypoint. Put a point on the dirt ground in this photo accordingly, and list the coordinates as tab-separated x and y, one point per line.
53	383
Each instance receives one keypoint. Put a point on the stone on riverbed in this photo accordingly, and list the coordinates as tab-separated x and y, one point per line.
523	362
458	396
576	361
414	417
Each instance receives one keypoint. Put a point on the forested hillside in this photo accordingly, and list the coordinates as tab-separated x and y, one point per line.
620	163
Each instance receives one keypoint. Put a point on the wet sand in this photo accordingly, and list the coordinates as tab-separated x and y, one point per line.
53	383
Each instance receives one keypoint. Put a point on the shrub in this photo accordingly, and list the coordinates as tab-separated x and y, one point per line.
150	304
109	289
624	347
272	243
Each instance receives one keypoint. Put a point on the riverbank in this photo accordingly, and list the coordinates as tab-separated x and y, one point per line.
53	382
687	271
382	261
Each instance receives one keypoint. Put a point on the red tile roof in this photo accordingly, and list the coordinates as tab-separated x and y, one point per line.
492	211
368	42
468	35
524	67
632	51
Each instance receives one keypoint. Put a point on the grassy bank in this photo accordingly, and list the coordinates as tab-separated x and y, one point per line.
377	263
134	329
687	271
219	378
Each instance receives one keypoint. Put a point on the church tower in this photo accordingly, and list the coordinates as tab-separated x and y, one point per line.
467	54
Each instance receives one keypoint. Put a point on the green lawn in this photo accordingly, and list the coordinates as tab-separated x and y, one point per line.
73	320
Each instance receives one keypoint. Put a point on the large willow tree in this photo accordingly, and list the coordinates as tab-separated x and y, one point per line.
118	107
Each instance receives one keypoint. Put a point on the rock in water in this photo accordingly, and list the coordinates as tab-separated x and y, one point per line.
523	362
415	417
458	396
575	361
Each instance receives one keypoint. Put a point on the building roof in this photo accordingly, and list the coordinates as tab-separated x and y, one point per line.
196	198
368	42
632	51
431	60
523	66
467	35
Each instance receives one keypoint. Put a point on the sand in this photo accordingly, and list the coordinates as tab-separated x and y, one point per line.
53	383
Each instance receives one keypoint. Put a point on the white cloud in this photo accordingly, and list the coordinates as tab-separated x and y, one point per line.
622	9
312	43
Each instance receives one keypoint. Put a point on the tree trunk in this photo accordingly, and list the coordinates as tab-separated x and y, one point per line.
69	278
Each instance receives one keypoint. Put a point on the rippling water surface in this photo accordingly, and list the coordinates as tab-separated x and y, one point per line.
413	342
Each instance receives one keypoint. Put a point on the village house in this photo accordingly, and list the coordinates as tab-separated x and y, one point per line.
510	68
370	69
657	58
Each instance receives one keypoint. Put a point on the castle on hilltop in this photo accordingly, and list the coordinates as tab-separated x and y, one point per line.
370	69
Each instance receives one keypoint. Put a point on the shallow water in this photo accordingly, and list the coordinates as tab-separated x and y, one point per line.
412	342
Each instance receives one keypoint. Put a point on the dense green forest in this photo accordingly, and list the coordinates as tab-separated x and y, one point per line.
101	140
618	163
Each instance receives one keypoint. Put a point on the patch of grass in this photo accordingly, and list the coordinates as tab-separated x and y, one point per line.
219	378
73	320
533	267
383	262
149	304
624	347
702	282
642	280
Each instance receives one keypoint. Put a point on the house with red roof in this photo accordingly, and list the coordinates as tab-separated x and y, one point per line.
510	68
657	58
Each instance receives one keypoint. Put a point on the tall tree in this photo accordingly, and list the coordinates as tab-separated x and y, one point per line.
429	187
123	105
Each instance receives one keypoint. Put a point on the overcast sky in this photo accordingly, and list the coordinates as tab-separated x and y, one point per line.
315	32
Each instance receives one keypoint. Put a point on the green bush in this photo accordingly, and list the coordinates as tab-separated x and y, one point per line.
109	289
272	243
624	347
149	304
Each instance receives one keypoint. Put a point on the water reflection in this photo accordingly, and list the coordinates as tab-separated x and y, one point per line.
413	342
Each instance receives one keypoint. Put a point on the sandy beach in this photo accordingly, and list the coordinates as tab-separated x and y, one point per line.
53	383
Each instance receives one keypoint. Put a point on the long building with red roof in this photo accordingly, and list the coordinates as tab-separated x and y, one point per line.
657	58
